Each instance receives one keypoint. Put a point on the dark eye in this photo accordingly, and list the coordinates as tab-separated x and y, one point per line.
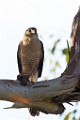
29	30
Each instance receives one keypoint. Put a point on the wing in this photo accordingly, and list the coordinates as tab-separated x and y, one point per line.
19	59
41	61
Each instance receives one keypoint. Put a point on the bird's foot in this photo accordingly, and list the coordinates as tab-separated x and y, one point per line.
23	79
34	112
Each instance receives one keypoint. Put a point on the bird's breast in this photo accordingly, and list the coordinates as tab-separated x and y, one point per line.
30	56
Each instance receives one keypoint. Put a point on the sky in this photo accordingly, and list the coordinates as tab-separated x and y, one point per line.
49	17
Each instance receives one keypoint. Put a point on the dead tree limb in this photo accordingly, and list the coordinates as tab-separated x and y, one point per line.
42	95
49	96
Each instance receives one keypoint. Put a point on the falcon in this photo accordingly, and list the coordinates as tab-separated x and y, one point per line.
30	56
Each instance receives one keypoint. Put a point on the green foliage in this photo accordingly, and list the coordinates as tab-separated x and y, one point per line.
53	70
51	61
57	64
67	116
73	118
65	52
54	46
71	115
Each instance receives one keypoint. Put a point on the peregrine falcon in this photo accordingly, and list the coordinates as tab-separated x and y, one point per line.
30	57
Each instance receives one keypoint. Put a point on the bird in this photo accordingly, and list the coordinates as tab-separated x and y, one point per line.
30	57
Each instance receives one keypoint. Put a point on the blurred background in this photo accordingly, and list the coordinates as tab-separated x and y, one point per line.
53	19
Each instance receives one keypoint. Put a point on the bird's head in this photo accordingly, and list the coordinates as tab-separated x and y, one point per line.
31	31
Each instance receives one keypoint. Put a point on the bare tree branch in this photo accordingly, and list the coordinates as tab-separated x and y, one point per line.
42	95
49	96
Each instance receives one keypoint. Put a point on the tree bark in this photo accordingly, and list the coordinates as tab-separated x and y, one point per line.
49	96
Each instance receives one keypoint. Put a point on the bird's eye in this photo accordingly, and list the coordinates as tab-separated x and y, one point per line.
29	30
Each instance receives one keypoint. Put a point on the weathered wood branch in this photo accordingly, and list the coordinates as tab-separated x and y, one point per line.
42	95
49	96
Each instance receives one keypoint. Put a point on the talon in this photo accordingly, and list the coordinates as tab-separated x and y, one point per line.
33	112
19	77
23	79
